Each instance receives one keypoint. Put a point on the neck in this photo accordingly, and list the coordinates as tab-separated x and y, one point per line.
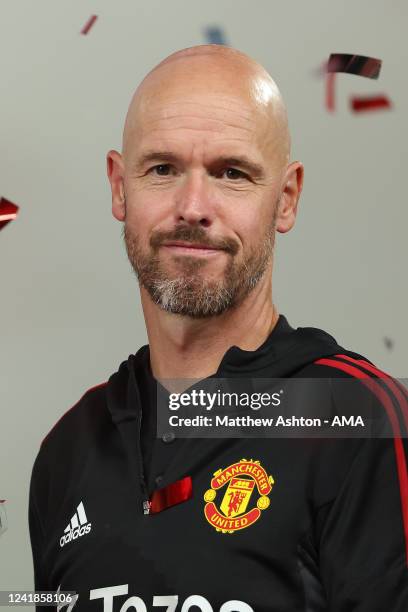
182	347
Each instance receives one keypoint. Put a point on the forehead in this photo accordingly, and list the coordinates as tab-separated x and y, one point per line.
207	123
218	116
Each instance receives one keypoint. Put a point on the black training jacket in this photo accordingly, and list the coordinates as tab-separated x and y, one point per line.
325	527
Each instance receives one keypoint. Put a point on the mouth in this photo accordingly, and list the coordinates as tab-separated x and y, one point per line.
188	248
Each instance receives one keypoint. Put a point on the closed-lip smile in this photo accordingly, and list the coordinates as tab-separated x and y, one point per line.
191	248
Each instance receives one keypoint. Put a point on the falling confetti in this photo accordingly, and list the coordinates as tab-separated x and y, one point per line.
330	82
8	212
369	103
215	35
388	343
89	24
360	65
3	518
354	64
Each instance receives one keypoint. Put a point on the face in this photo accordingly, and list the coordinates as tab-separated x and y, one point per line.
202	182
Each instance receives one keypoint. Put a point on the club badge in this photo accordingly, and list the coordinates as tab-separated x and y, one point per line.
235	486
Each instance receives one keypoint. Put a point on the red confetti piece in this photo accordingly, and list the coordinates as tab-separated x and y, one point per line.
355	64
3	517
369	103
330	82
175	493
8	212
89	24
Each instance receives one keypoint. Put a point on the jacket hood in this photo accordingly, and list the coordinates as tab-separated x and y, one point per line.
285	351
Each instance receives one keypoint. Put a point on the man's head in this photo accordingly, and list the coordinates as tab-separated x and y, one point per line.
205	162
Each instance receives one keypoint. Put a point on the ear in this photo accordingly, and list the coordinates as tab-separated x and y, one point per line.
115	171
291	190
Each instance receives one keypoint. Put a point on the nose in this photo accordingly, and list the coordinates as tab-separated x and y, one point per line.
193	201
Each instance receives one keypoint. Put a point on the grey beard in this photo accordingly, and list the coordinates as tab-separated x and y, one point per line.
191	295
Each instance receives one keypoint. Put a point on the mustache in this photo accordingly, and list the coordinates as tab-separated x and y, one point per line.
194	235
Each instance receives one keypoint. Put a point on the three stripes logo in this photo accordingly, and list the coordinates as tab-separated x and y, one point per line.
77	527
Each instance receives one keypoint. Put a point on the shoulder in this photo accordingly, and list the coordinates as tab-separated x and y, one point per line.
342	363
92	408
354	376
80	415
70	440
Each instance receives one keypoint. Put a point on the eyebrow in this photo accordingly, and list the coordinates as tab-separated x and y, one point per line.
242	161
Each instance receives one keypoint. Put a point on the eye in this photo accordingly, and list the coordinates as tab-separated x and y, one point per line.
161	169
233	173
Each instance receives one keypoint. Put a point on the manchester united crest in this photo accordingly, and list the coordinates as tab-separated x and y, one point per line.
235	489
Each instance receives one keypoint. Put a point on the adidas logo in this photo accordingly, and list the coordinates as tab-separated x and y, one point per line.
77	526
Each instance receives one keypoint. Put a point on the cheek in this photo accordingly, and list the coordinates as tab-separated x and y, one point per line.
254	232
250	223
145	215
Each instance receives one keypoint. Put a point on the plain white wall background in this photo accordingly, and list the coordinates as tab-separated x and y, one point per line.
70	310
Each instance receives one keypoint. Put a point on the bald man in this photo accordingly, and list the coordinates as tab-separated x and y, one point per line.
131	510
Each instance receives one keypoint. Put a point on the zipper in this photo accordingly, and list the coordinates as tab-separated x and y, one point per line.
146	503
